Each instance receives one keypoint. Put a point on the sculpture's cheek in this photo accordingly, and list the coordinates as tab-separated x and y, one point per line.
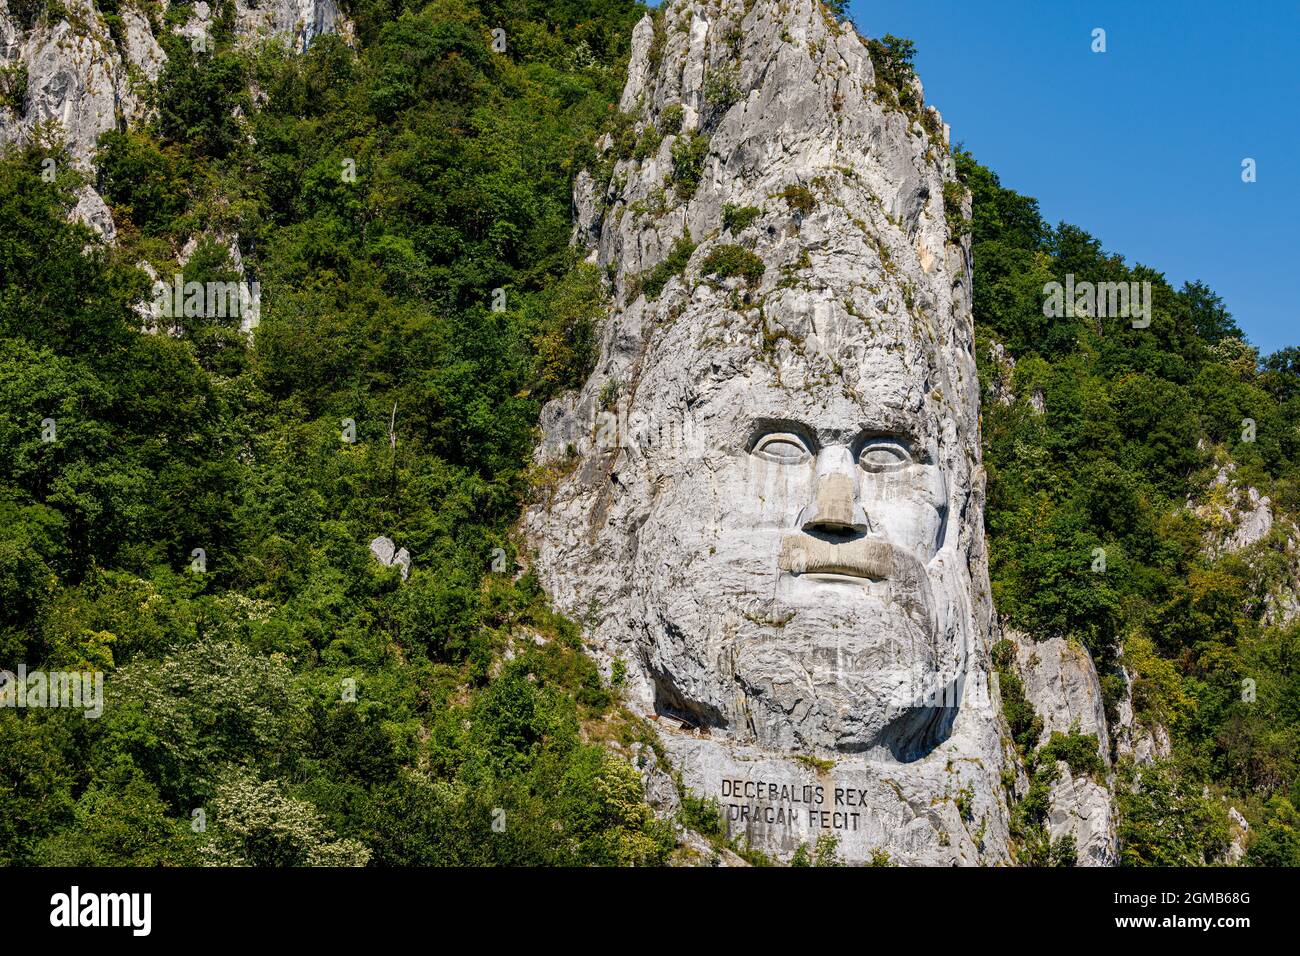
753	493
907	507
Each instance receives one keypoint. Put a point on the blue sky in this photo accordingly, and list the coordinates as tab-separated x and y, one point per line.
1141	145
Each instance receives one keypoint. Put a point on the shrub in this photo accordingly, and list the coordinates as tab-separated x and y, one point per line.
799	198
1276	841
954	194
721	90
1077	750
197	98
13	87
688	162
1025	724
653	283
1064	852
737	218
144	182
122	824
670	120
701	814
609	393
1029	816
648	143
1166	820
259	824
731	260
892	58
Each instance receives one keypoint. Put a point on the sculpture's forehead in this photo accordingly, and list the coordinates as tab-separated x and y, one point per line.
889	397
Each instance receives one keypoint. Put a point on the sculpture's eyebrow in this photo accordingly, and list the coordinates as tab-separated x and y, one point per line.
858	434
918	450
854	436
767	425
903	436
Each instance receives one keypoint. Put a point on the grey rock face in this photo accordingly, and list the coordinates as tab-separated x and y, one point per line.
1061	682
299	20
139	45
660	790
1083	808
769	494
75	79
10	34
388	554
91	211
1239	830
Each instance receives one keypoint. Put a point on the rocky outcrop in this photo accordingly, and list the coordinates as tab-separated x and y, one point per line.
767	500
302	21
1239	834
1001	382
387	553
77	88
1060	681
299	22
76	81
82	81
1236	516
139	46
1238	519
92	211
1143	741
1083	808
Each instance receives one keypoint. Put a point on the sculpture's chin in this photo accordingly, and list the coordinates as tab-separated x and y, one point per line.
848	688
830	662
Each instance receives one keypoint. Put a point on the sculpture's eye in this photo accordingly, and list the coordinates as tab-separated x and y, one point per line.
884	454
782	447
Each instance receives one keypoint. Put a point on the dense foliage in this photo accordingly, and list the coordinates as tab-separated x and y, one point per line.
1102	442
297	702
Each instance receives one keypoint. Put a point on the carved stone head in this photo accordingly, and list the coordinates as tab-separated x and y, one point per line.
777	490
777	526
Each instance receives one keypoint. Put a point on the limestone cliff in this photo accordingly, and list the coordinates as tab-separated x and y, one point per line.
68	73
768	498
1060	681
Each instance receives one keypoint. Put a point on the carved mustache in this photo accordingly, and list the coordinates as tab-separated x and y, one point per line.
859	558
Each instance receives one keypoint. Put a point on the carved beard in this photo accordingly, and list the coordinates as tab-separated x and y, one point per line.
844	664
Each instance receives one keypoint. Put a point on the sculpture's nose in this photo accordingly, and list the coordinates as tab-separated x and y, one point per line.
834	506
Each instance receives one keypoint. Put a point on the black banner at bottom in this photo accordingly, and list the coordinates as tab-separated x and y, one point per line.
337	906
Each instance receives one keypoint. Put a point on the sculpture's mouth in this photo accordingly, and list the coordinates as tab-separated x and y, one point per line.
855	558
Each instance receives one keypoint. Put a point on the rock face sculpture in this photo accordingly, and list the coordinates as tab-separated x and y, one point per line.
768	498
